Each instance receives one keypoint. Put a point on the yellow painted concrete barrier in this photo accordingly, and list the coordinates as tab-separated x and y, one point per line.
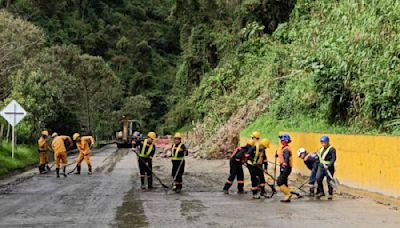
366	162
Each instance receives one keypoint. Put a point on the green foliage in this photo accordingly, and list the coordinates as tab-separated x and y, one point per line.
23	156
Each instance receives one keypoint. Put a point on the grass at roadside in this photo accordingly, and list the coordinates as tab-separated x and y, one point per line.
270	127
24	155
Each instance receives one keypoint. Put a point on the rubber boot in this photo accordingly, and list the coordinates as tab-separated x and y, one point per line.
149	182
48	168
330	193
312	192
78	170
142	183
90	170
58	172
263	193
296	194
273	189
64	173
178	188
226	188
287	193
256	195
41	171
240	188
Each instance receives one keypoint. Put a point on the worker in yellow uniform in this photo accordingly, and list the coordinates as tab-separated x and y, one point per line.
59	145
178	153
43	148
146	150
285	161
83	143
257	163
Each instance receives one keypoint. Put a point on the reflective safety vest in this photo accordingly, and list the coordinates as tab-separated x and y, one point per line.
258	157
323	153
175	152
143	152
281	159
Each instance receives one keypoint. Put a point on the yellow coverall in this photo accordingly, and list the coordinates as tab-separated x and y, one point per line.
43	157
83	146
60	152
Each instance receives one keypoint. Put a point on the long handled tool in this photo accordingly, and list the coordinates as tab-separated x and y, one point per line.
151	171
334	182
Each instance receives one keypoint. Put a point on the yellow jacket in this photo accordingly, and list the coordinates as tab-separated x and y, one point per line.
83	145
58	143
42	144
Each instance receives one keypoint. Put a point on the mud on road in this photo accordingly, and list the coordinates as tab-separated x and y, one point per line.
112	198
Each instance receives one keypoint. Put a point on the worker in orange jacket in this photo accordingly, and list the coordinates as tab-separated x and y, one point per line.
60	145
285	161
83	143
43	148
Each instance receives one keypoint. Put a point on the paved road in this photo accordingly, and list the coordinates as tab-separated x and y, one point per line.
111	198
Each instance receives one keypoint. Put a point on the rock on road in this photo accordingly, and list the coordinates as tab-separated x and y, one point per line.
111	198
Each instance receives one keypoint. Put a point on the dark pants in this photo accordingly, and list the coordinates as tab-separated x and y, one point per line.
313	175
321	174
235	171
284	176
257	179
179	173
145	167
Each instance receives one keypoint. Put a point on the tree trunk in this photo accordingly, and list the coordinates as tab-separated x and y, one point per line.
8	132
1	131
8	3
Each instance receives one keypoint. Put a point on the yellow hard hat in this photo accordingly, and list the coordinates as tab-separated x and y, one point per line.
256	134
265	143
178	135
55	134
251	142
152	135
75	136
46	133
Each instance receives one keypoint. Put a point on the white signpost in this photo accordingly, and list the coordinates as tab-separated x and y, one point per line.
13	113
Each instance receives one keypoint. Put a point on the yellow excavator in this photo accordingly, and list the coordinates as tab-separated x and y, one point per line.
129	128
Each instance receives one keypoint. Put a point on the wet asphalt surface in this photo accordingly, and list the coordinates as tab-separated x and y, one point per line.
111	198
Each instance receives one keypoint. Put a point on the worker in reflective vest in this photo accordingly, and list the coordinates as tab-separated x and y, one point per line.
146	150
235	167
257	163
178	153
286	163
327	156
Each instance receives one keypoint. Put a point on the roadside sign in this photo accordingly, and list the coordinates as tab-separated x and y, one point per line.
13	113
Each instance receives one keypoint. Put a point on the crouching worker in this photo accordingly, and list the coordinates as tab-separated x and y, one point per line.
60	145
146	150
83	143
311	160
43	148
327	155
178	153
286	163
256	163
235	167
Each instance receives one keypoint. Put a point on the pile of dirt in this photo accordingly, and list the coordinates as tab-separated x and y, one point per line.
222	141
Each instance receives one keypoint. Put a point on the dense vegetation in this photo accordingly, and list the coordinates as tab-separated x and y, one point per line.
313	65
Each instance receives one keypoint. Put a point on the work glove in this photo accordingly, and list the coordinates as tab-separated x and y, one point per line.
325	166
249	162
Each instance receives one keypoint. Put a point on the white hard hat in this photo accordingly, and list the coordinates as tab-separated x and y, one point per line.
300	151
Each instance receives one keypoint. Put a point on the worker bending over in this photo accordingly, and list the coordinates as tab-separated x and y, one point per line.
83	143
43	156
178	153
256	163
286	163
235	167
311	160
327	156
146	150
60	145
